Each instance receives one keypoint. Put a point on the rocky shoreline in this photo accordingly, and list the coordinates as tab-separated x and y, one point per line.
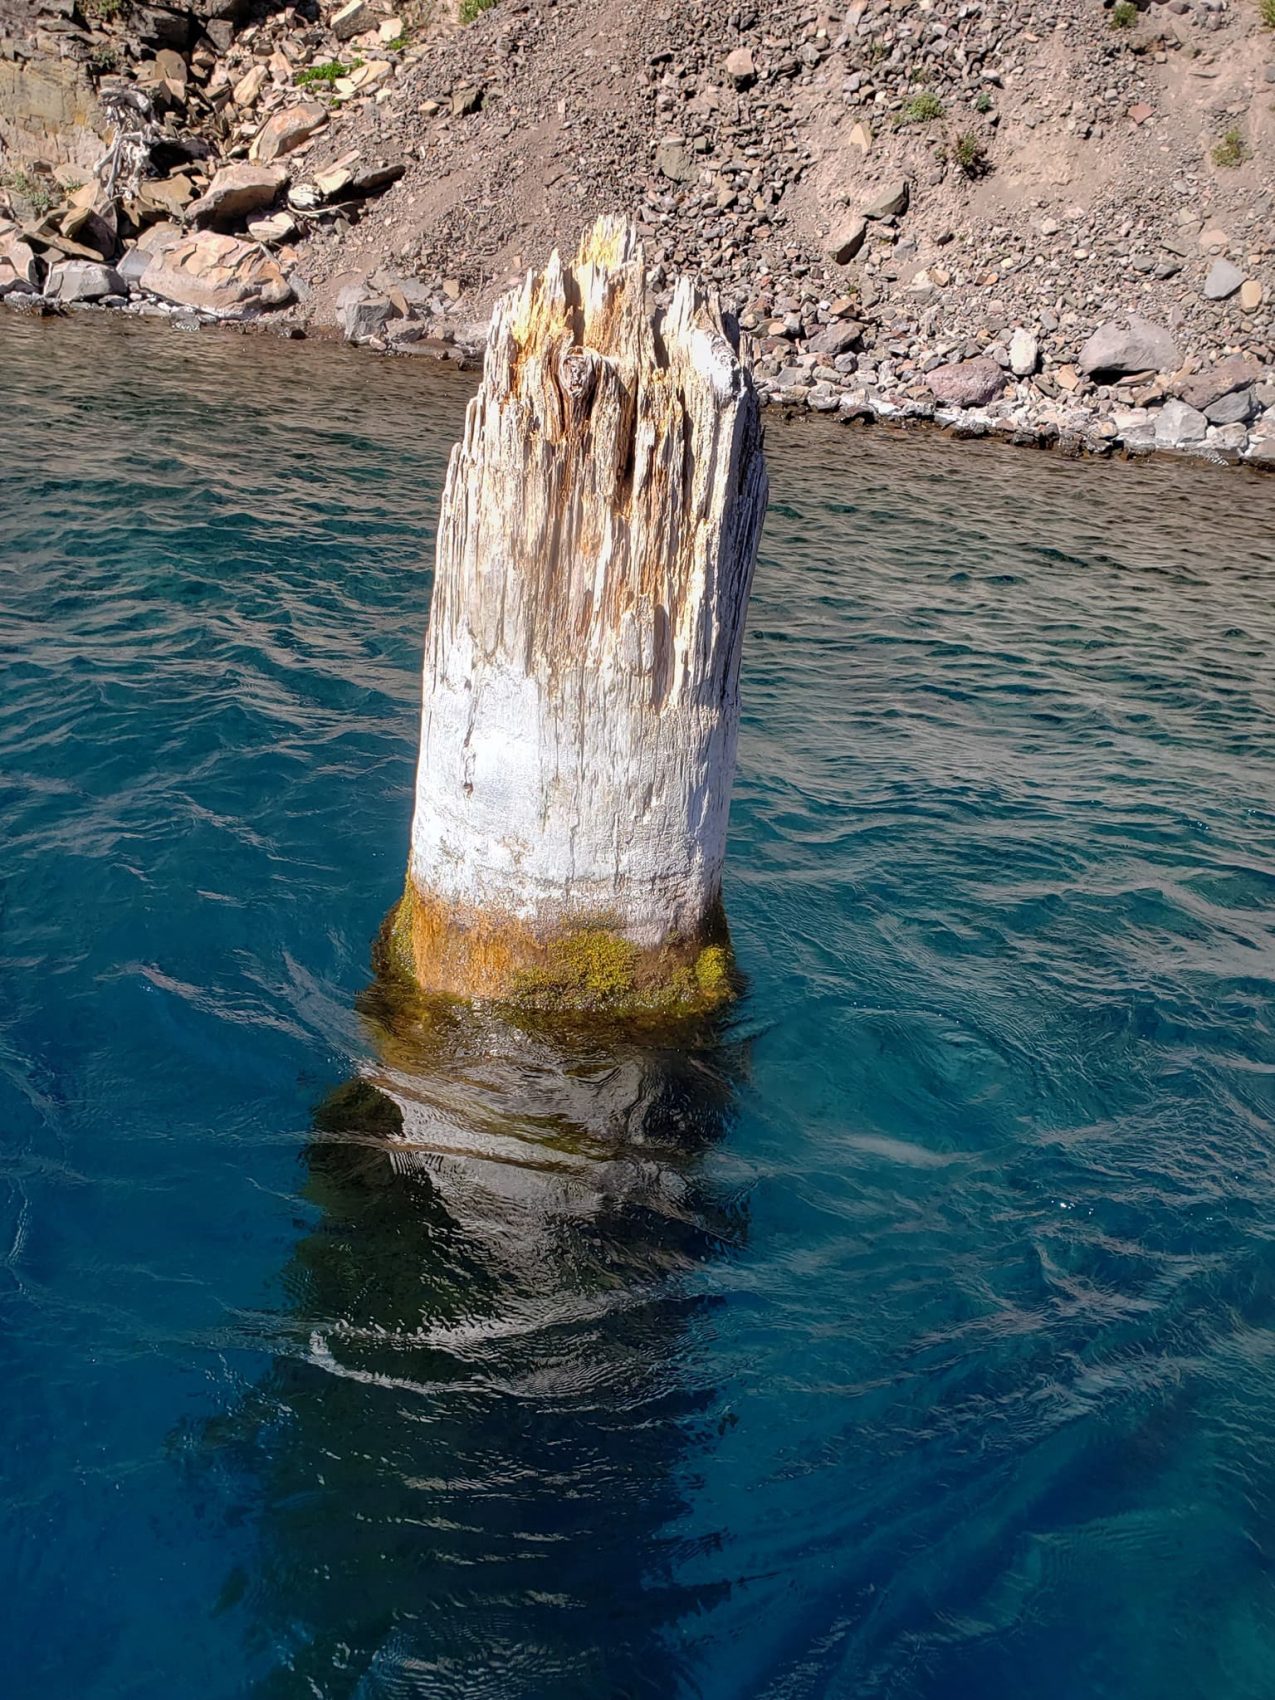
382	172
1221	413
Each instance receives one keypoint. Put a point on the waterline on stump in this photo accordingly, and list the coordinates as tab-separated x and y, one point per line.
596	544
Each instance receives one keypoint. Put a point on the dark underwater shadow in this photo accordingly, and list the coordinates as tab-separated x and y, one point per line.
463	1479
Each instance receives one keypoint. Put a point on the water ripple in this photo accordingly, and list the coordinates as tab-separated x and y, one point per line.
911	1335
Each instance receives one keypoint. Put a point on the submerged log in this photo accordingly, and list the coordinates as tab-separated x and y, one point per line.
596	543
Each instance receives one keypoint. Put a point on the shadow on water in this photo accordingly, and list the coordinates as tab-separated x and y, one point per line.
464	1473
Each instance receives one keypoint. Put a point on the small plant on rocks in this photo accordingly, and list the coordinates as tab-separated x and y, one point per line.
1266	11
470	9
324	73
1124	15
923	109
104	11
983	103
1230	150
970	156
38	192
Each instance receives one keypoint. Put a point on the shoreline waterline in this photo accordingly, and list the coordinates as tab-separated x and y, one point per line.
900	414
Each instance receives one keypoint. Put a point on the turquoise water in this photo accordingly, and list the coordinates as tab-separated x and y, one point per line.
912	1334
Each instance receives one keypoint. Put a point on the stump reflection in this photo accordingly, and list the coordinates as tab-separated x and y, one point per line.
466	1477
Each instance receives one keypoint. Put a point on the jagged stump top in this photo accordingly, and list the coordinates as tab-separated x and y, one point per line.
604	443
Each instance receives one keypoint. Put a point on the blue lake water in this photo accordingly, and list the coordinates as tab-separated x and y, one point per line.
912	1334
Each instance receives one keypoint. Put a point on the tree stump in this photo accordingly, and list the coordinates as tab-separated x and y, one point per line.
596	543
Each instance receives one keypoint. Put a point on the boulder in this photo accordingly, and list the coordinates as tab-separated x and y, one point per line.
1177	425
82	280
673	161
967	383
1202	389
133	264
1131	344
373	71
1223	280
833	340
287	130
845	242
163	198
740	68
247	91
370	179
1237	408
237	191
890	200
279	227
90	221
351	20
216	274
21	273
1231	439
362	313
1024	353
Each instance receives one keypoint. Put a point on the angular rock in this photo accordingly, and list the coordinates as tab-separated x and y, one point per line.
237	191
1177	425
369	179
132	267
351	20
1223	280
20	271
362	314
1234	409
845	242
164	198
836	339
331	182
247	90
967	383
890	200
215	273
1024	353
279	227
740	68
91	221
673	161
81	280
1250	295
375	71
467	99
287	130
1202	389
1131	344
1232	439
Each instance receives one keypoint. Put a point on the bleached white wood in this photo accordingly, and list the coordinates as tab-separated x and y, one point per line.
596	544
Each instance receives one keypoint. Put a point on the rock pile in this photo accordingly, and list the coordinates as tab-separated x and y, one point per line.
959	209
201	193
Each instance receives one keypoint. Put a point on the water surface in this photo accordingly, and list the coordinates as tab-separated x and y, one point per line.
910	1334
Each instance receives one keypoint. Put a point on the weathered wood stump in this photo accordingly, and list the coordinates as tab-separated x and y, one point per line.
596	543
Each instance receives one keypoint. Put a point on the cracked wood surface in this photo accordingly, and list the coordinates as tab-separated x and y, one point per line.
596	543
